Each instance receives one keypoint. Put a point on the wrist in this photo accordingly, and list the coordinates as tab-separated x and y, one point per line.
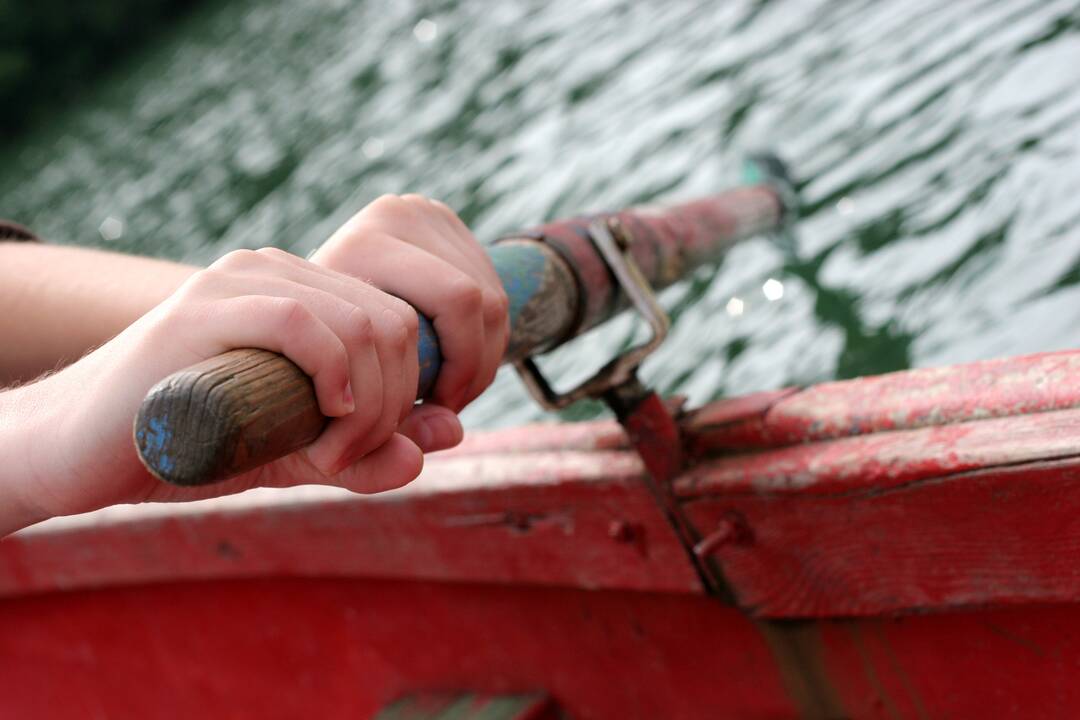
21	459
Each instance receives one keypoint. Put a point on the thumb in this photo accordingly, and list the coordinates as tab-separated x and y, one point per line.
432	427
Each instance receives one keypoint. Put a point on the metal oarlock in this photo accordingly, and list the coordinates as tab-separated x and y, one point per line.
651	426
613	242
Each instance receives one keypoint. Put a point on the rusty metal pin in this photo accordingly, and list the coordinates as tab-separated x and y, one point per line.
724	533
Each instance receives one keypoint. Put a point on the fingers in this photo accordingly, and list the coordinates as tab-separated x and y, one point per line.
450	279
285	325
453	301
395	342
420	222
359	343
348	439
397	323
458	230
432	428
378	333
395	463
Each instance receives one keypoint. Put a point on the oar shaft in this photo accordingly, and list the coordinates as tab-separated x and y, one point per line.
245	408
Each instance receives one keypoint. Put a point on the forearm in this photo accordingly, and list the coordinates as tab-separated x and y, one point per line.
58	302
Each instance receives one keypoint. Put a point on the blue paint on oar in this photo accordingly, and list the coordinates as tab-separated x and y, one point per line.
152	443
427	348
521	269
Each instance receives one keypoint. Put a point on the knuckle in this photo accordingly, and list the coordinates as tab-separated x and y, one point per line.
202	281
236	259
465	295
411	321
406	314
495	305
386	204
273	253
446	210
414	199
360	329
291	314
396	333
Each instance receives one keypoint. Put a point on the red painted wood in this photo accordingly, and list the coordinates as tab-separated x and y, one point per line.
896	401
324	648
880	461
732	424
540	517
975	664
932	396
978	509
949	496
342	648
1004	536
510	507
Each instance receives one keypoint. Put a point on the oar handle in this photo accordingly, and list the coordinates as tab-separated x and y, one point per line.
237	411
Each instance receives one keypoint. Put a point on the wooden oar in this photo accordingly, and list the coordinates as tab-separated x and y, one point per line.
247	407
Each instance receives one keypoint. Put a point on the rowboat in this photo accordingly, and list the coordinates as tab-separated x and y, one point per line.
885	547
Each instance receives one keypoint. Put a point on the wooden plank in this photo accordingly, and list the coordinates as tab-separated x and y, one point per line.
915	491
884	460
1001	536
573	518
896	401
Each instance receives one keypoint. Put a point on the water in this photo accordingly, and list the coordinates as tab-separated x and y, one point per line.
937	147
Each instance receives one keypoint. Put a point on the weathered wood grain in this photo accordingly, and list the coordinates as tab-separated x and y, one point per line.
1000	536
917	491
234	412
926	397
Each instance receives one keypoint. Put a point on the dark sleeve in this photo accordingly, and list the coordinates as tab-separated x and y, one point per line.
16	232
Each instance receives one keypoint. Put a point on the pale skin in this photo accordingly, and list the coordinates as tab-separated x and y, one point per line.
66	439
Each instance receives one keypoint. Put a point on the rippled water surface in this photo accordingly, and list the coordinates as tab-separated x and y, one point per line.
937	147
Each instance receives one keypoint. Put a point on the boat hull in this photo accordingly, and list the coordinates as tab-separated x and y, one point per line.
901	546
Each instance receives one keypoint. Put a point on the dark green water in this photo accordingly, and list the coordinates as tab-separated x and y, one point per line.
937	144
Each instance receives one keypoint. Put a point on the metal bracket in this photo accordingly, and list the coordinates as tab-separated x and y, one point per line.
651	427
613	242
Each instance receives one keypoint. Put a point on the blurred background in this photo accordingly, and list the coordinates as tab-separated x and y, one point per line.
936	145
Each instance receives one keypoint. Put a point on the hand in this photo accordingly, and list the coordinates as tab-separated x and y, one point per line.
419	250
72	451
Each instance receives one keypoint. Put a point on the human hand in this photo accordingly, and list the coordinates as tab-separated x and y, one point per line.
418	249
72	449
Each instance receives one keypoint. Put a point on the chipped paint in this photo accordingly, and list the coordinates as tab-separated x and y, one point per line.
153	441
